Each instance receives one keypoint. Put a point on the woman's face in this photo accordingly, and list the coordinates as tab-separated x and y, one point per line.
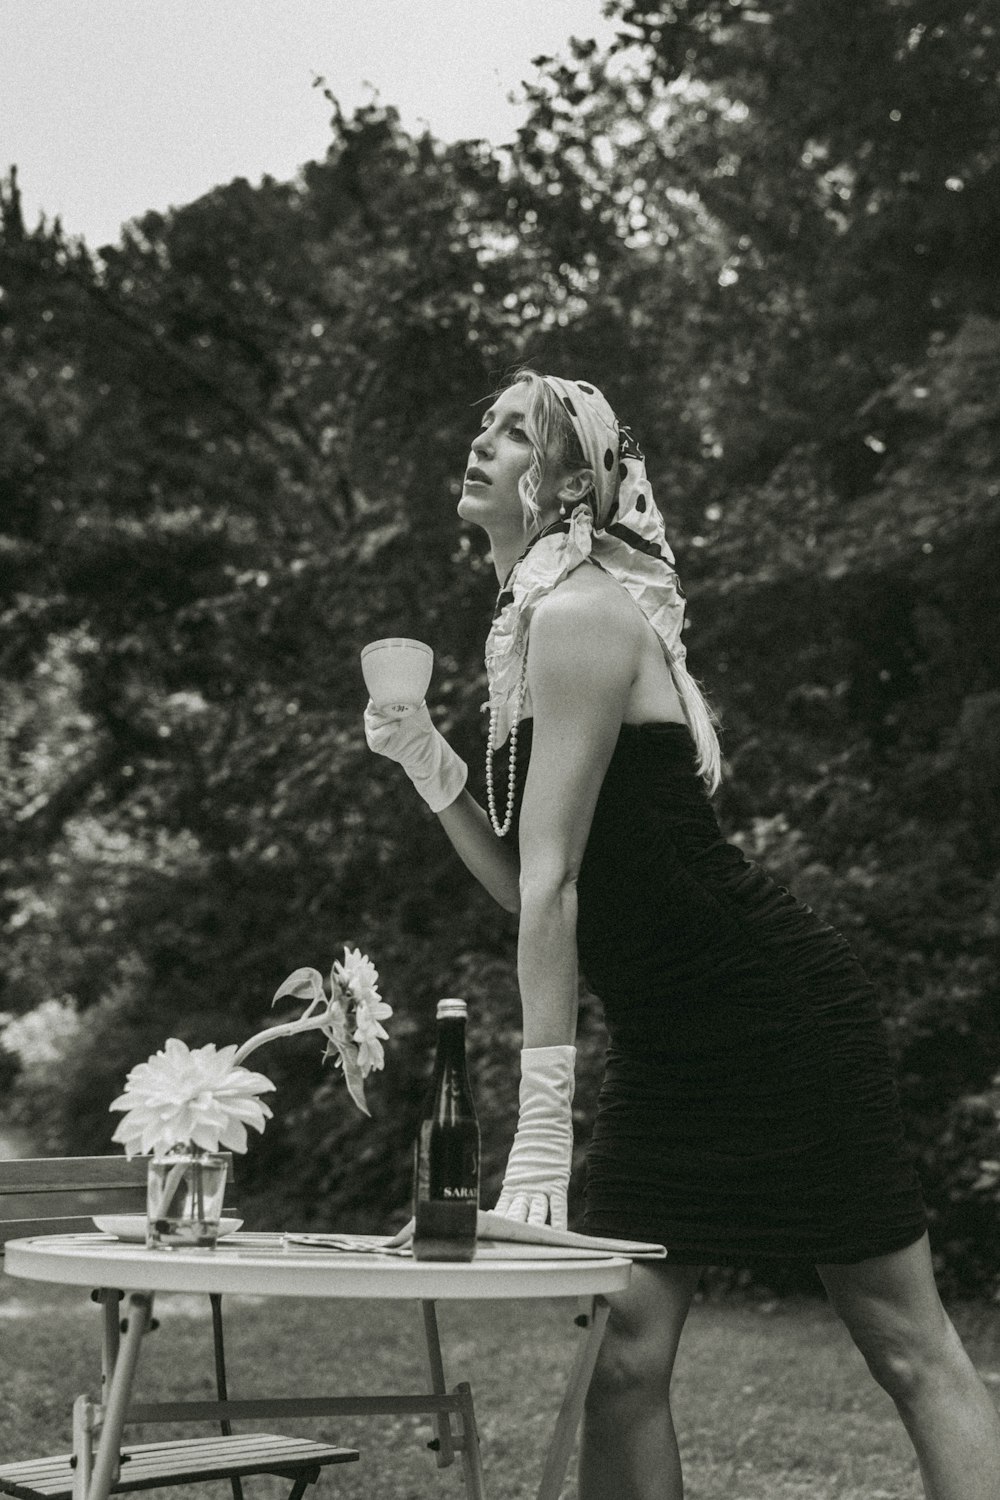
501	454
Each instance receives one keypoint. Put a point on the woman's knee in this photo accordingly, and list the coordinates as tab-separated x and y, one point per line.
631	1369
908	1361
893	1313
896	1361
637	1353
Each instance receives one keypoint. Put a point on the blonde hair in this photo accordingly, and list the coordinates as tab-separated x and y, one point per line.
702	721
554	442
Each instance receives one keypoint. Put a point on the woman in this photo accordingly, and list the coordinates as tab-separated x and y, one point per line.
748	1108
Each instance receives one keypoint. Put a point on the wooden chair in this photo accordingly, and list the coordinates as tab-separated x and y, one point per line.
57	1195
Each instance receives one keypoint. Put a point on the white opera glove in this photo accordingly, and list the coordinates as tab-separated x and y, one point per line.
437	772
537	1176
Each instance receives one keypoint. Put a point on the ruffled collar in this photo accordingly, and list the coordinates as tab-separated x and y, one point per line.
629	543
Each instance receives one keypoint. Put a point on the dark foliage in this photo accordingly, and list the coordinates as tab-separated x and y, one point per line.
228	458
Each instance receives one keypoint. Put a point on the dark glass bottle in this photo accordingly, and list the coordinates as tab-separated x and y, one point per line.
446	1176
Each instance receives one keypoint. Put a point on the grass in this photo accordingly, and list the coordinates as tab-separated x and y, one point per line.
772	1400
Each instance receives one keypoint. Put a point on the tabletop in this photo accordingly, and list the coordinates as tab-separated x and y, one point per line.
266	1264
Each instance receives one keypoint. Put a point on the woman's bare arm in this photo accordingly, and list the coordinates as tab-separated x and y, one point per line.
583	659
492	861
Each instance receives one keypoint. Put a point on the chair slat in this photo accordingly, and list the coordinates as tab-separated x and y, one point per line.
71	1174
77	1174
179	1461
107	1183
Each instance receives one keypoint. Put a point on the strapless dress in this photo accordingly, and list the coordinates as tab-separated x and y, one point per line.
749	1108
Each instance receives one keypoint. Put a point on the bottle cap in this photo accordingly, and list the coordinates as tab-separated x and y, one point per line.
452	1010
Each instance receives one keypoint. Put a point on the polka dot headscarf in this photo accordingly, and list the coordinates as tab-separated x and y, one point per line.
621	529
598	430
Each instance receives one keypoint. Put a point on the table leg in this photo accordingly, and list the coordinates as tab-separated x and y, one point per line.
468	1441
108	1299
571	1410
84	1421
472	1463
138	1312
442	1423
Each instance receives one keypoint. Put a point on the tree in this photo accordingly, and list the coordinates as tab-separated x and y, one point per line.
249	471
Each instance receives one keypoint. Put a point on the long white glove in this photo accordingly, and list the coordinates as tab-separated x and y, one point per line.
437	772
537	1176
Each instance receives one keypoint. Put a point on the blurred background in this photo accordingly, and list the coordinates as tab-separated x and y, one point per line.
231	436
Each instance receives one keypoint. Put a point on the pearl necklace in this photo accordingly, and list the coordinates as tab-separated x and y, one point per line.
501	829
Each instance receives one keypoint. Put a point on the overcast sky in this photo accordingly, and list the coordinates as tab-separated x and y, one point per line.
110	107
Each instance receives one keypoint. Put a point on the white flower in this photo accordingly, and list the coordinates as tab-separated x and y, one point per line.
357	979
359	975
195	1098
349	1017
206	1099
369	1033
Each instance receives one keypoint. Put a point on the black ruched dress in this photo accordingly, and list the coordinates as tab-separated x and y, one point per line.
748	1109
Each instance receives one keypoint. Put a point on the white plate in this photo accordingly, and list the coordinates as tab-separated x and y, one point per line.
133	1226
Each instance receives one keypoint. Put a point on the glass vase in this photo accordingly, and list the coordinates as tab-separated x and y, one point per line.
184	1193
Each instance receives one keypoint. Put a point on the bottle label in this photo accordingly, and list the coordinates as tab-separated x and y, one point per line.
448	1162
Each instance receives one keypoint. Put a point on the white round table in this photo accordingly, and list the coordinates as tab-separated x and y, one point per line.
267	1265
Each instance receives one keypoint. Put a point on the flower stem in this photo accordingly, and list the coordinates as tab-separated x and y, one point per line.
288	1028
174	1179
199	1191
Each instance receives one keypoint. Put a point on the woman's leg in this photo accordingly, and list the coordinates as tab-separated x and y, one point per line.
629	1451
894	1314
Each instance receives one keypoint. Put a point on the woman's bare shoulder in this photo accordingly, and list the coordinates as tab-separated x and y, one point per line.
585	632
586	597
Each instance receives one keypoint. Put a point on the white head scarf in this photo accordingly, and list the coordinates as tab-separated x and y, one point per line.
619	527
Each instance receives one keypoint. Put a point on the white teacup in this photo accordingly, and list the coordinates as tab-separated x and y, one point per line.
397	672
